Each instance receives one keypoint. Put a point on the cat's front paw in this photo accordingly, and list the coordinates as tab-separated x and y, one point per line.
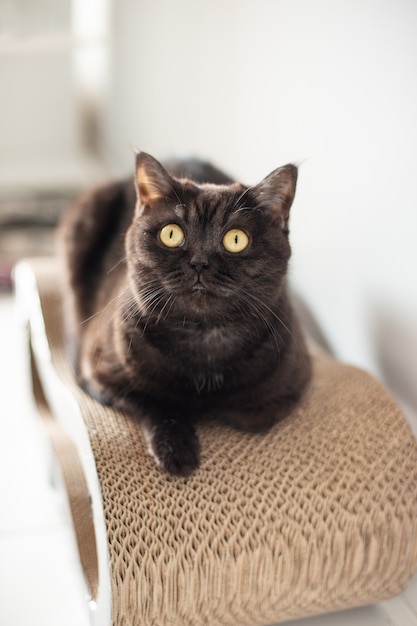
175	449
178	459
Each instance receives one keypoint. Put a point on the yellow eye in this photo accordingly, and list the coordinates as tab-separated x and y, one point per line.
235	240
172	236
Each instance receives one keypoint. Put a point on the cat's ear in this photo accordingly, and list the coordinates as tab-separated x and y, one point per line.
276	193
152	180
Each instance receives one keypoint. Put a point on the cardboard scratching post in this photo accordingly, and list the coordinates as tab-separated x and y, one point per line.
318	515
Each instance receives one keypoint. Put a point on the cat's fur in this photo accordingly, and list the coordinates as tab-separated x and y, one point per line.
173	335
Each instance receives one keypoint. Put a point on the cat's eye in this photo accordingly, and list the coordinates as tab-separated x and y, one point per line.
235	240
172	236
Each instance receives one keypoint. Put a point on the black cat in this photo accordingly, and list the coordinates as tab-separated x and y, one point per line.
177	302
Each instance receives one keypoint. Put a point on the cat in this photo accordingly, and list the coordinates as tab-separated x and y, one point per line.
176	302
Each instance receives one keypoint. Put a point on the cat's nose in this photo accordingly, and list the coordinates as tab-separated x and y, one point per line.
199	266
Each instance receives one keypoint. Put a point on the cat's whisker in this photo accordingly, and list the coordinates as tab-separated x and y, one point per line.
263	306
122	260
276	316
128	306
256	305
243	208
138	321
148	295
101	311
246	315
272	333
171	306
259	309
145	298
157	301
130	311
242	195
118	296
163	309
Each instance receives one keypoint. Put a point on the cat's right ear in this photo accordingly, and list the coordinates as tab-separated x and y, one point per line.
276	193
153	182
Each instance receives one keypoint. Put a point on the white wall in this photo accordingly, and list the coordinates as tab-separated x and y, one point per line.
332	84
45	55
38	117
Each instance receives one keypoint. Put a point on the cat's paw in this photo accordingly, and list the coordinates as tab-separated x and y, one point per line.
177	453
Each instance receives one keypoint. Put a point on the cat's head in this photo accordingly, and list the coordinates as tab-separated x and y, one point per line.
203	250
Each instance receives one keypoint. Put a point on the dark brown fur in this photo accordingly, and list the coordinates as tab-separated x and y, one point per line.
173	335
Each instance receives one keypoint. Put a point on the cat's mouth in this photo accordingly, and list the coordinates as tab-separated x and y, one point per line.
199	288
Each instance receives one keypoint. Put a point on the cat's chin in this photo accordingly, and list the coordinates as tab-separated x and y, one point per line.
203	295
198	300
199	296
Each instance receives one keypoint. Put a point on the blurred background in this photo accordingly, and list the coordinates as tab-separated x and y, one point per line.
330	85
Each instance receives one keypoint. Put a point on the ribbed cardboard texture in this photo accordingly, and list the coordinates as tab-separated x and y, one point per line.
318	515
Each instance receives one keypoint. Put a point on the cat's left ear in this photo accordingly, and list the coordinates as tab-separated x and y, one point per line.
152	180
276	193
